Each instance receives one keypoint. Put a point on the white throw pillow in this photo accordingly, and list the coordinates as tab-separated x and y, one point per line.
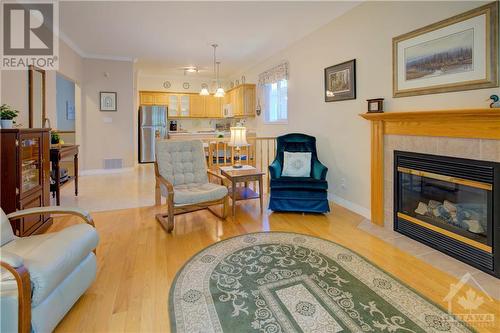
296	164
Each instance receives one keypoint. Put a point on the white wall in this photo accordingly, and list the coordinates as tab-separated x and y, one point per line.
97	140
364	33
108	135
155	82
14	88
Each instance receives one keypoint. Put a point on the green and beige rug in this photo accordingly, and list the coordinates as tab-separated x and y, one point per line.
284	282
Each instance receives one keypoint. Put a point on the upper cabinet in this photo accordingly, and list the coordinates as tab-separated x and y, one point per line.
242	99
197	106
153	98
192	105
213	107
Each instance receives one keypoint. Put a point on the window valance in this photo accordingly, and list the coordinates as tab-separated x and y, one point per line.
275	74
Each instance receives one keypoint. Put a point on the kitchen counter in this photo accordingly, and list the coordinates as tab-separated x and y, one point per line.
202	134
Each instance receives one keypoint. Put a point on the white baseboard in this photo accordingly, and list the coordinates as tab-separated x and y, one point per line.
92	172
365	212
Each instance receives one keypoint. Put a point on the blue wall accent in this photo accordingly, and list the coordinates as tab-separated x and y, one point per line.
65	95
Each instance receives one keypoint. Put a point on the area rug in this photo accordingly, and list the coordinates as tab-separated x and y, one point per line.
285	282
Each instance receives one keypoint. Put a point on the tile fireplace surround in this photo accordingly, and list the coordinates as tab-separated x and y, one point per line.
477	149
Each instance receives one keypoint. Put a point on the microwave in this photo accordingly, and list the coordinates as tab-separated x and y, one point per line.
227	110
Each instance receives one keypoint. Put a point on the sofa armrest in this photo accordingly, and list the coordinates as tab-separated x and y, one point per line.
11	259
275	169
22	277
53	210
318	170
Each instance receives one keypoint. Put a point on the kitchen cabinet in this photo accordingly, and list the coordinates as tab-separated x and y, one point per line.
185	105
213	107
161	99
178	105
173	106
242	98
153	98
248	99
197	106
193	105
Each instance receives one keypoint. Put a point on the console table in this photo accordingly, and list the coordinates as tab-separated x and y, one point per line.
56	154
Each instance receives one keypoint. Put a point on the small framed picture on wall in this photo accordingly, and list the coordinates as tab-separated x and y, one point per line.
340	81
108	101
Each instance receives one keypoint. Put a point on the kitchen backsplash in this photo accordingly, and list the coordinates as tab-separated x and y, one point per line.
222	125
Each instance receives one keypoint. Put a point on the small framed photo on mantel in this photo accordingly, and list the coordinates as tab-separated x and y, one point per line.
375	105
108	101
340	82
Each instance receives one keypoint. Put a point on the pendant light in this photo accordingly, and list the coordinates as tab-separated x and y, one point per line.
220	91
204	90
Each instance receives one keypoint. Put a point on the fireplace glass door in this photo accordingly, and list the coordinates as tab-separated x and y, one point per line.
459	206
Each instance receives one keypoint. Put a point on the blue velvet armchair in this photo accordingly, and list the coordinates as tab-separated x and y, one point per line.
298	194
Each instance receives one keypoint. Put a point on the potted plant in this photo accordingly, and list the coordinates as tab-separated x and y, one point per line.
54	138
7	115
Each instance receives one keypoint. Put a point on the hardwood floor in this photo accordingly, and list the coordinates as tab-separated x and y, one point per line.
137	261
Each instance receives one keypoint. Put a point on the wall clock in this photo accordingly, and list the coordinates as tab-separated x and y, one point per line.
185	85
166	84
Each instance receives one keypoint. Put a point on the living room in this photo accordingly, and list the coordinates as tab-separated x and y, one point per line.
352	181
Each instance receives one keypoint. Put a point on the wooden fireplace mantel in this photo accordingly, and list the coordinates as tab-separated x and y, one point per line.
466	123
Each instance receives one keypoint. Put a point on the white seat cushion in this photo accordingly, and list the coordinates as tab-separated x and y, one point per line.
195	193
51	257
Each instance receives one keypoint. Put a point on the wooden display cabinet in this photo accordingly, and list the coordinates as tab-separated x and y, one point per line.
25	176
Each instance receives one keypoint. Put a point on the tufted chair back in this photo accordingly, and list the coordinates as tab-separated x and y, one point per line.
182	162
6	232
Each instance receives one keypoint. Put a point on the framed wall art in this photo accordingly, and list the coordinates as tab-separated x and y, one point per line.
459	53
340	82
108	101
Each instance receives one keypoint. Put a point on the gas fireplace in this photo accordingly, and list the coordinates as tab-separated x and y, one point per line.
450	204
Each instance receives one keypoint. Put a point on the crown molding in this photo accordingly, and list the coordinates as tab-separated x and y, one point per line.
72	45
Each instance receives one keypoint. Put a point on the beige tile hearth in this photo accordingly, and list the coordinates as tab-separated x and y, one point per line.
438	259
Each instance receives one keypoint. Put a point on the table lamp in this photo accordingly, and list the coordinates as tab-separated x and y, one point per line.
238	139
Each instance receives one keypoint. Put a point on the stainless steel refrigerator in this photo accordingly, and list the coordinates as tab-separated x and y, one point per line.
152	123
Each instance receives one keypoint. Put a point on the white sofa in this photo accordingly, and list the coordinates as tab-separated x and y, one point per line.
44	275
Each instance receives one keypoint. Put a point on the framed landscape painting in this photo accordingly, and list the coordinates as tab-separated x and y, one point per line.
460	53
340	81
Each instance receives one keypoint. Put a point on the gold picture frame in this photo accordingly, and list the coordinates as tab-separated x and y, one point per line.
419	67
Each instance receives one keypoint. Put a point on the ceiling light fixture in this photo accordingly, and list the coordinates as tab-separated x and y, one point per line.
204	90
220	91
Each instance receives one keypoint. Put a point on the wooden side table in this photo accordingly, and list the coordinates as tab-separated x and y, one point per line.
243	175
56	154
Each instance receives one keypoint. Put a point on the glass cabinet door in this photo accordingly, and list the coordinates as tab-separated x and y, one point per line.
173	105
185	105
31	165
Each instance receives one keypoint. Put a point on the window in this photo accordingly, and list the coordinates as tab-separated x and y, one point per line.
276	97
273	93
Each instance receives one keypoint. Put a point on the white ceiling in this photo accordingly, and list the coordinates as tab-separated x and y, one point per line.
163	36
